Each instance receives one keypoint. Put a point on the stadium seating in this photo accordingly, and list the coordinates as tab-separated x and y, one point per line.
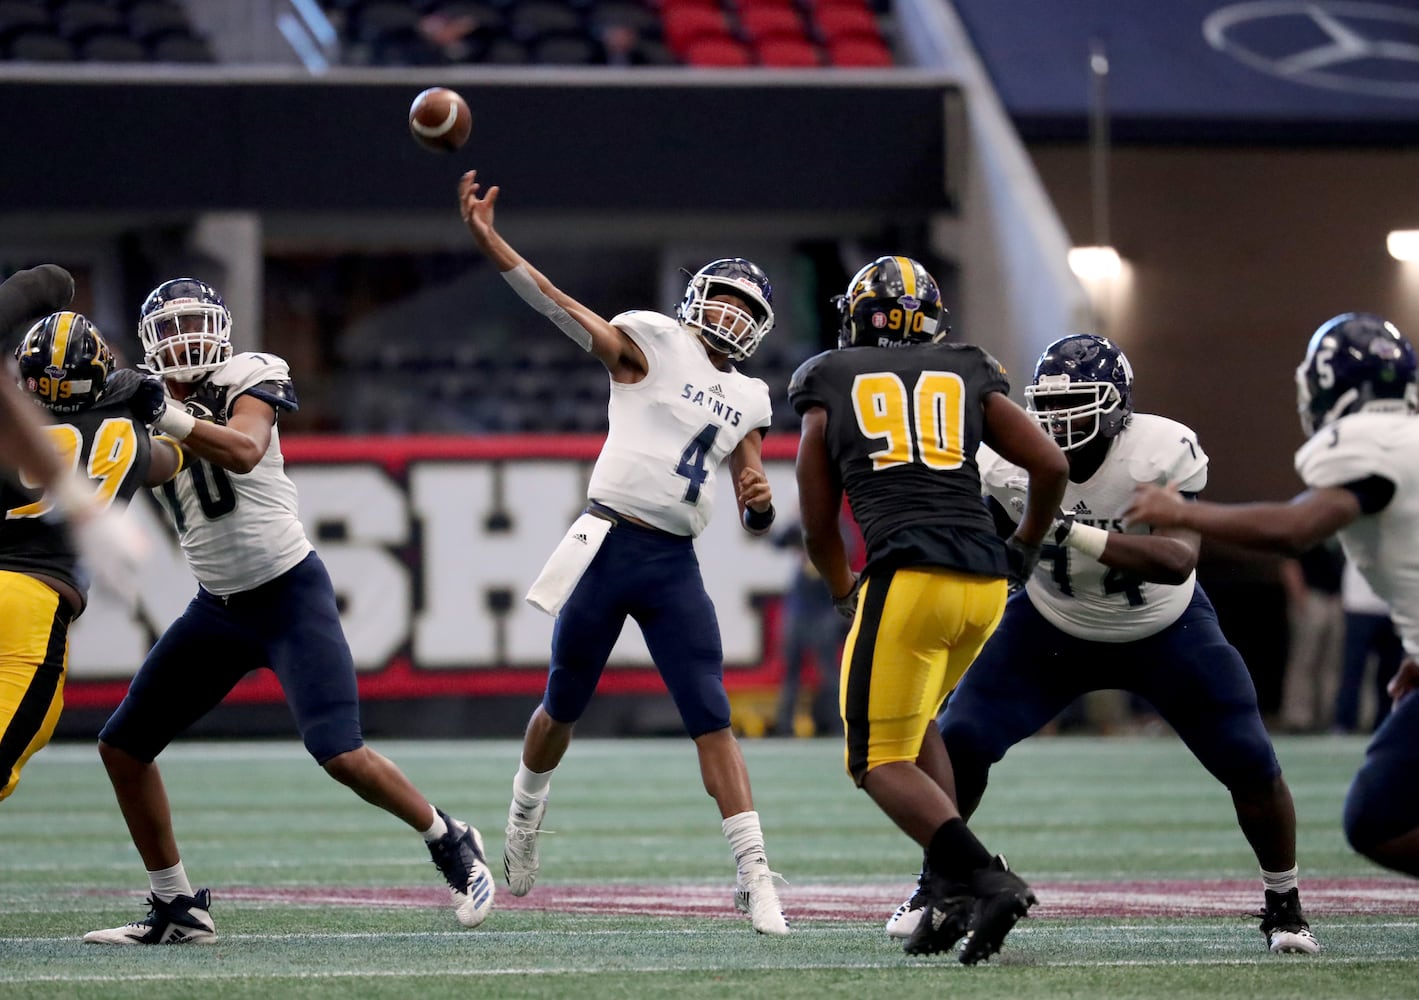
99	31
716	33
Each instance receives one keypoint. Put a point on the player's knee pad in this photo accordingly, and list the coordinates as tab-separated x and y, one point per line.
329	739
1380	804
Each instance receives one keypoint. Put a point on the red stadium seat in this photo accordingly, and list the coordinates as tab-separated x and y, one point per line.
841	22
762	23
686	25
744	5
859	52
723	52
788	52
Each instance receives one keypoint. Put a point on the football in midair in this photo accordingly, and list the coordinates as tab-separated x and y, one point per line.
439	118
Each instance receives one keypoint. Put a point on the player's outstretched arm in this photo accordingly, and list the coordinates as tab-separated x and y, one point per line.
1288	528
1015	435
617	351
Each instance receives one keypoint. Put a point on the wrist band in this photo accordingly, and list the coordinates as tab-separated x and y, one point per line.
759	521
175	422
1088	540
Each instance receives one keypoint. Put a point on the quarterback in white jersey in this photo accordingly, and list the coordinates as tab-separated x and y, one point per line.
678	410
1111	609
670	432
265	600
1357	396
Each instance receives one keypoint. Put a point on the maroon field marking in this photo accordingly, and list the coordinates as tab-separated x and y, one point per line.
875	901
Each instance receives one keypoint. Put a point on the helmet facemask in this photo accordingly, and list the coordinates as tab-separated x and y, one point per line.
186	339
726	326
1076	402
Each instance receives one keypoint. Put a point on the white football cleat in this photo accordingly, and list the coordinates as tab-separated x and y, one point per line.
520	857
757	896
182	920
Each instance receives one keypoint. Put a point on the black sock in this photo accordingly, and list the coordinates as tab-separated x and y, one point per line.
954	851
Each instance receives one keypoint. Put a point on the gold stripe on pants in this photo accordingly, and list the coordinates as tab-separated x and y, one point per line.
34	653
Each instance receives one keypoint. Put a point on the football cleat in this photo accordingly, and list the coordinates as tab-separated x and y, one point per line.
181	920
905	918
942	920
1002	898
757	896
1284	926
458	854
520	858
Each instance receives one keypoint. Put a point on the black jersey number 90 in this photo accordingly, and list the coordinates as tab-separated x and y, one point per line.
926	425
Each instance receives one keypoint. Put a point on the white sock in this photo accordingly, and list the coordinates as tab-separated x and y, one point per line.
1281	881
169	883
437	829
746	840
530	787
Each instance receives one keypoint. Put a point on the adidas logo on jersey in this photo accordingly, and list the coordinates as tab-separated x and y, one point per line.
580	537
1082	508
717	390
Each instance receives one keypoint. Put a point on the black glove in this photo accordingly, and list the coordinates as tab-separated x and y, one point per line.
1022	559
847	604
149	400
29	294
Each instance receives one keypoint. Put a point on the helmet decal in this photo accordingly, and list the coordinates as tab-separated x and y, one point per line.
1355	362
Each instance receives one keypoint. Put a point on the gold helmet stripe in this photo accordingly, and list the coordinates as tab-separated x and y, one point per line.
908	269
64	324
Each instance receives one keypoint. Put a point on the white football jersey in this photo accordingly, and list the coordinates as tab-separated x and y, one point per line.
1384	547
670	431
1080	595
238	531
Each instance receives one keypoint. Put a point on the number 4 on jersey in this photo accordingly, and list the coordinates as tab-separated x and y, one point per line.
692	462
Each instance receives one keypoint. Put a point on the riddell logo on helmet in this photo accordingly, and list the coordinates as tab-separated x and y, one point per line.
879	320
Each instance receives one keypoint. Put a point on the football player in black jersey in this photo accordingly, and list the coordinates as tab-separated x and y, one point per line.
893	418
67	368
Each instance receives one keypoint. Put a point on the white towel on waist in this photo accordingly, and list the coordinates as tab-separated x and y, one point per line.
567	563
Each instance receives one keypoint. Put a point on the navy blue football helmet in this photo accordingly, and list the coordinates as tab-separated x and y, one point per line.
724	326
1079	376
1355	362
64	362
892	302
185	329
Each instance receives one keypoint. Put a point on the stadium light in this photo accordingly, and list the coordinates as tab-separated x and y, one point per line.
1095	263
1403	244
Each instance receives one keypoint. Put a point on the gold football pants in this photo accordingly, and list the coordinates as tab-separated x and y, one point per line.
34	651
916	632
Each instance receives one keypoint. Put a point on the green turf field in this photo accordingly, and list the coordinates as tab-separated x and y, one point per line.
1142	876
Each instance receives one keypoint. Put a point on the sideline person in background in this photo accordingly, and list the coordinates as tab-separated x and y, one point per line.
811	626
1357	396
1369	635
264	600
893	418
679	409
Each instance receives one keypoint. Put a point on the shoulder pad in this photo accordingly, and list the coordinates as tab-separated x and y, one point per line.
805	388
645	322
1164	451
1353	447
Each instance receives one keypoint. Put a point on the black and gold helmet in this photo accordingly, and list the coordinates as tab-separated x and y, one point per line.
892	302
64	362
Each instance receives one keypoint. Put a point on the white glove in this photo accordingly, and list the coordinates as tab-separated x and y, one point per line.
113	548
